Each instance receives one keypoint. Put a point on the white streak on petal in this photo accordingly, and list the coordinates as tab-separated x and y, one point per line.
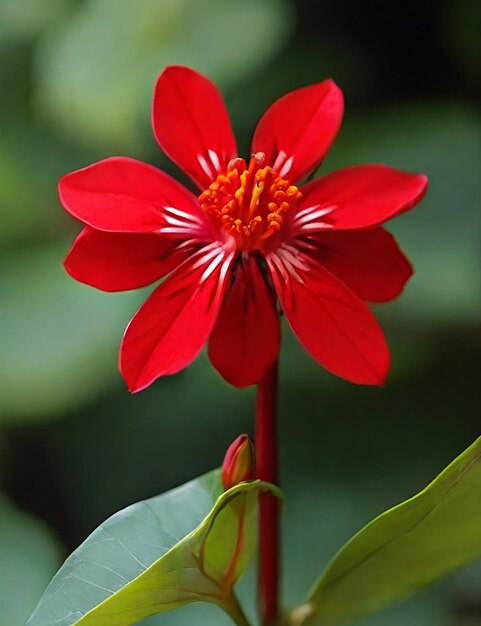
279	266
293	258
226	266
316	226
289	267
173	230
187	243
205	166
214	160
212	266
278	163
184	214
206	256
308	215
287	166
175	222
306	211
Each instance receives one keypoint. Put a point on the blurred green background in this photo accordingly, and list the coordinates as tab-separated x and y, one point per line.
76	78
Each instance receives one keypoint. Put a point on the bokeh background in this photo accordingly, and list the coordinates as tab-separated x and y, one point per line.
76	78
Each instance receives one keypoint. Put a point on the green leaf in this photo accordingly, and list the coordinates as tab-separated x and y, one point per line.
29	556
96	71
405	548
189	545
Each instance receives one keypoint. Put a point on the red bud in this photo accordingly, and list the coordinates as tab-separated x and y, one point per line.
238	463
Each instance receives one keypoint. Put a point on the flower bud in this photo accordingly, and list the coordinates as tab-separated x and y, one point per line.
238	465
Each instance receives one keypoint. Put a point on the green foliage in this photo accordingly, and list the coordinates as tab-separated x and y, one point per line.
31	162
29	555
19	20
441	236
405	548
53	330
107	107
189	545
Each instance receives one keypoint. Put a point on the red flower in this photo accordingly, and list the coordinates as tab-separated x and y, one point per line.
252	236
239	462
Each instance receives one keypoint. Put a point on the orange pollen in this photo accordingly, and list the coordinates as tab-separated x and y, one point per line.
250	201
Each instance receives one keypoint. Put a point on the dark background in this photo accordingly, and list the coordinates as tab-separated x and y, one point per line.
75	84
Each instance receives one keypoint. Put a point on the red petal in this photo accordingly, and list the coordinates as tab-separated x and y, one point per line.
191	124
245	340
296	132
121	261
170	329
361	196
335	327
369	262
124	195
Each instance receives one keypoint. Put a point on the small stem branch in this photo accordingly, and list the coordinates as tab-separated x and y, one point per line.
266	463
236	612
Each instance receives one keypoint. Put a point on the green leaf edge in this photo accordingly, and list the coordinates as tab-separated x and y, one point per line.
304	613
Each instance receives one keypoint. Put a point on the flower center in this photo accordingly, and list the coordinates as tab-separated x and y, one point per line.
250	201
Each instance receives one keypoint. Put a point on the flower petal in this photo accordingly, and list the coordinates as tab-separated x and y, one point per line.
359	197
191	124
332	323
246	337
172	326
368	261
121	261
120	194
296	131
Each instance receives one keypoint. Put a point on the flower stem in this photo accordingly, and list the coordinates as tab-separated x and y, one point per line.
266	463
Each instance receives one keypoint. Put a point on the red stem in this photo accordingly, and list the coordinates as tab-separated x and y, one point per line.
266	464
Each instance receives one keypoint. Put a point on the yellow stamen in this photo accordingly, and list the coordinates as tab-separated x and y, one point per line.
251	201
